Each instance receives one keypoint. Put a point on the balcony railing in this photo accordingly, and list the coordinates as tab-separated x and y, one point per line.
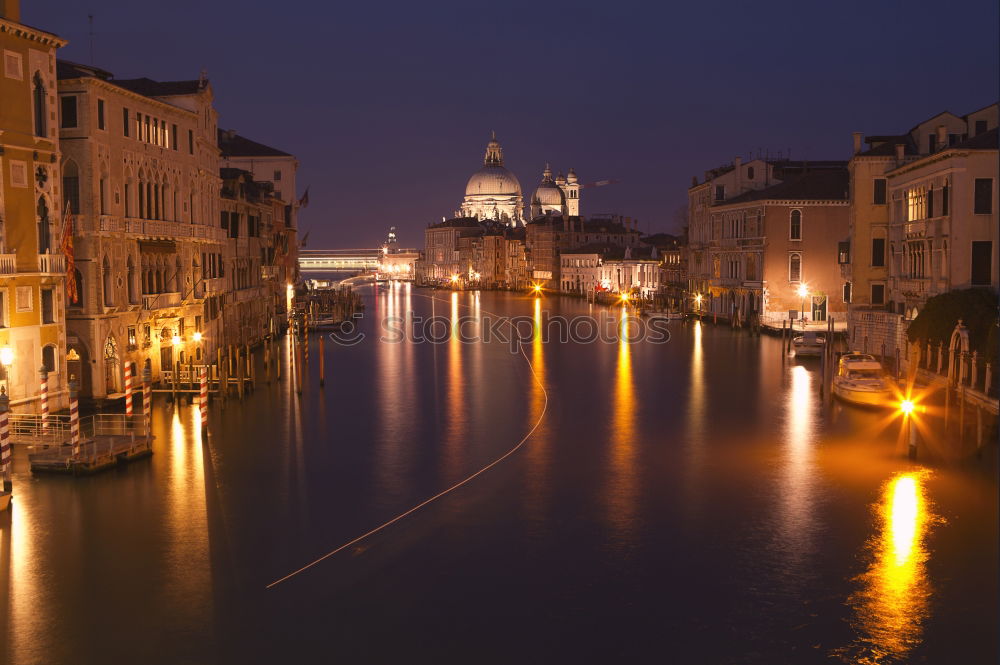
8	264
52	263
214	285
913	286
155	228
269	272
159	300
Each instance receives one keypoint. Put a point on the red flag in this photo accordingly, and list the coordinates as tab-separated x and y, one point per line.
67	249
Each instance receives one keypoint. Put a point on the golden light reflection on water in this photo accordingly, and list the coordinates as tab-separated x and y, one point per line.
538	452
893	604
455	413
622	490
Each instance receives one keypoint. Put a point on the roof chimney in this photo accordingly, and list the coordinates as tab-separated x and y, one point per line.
737	162
858	136
694	181
942	137
11	10
900	151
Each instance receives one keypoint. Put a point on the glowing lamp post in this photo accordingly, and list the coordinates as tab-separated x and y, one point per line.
697	304
537	289
803	294
906	408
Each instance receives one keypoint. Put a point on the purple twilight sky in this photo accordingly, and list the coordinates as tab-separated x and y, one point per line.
388	106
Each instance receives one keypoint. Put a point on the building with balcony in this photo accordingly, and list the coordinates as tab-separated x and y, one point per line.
923	222
252	303
772	252
140	172
32	267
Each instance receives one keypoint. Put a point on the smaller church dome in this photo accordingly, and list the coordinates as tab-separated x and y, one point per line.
571	177
548	194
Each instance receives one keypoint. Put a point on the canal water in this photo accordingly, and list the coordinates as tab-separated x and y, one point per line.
693	501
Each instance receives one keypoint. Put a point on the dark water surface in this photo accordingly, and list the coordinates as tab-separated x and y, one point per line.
689	502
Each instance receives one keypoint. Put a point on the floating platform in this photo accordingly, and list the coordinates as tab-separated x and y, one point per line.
95	455
106	440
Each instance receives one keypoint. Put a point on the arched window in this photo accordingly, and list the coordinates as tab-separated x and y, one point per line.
142	196
49	358
750	172
133	297
106	283
38	96
44	238
794	267
71	186
795	225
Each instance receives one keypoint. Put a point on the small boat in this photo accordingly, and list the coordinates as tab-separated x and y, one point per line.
4	501
809	344
861	381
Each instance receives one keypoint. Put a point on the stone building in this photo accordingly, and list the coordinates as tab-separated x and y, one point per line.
769	246
923	222
251	305
493	192
280	169
547	236
140	167
32	267
441	248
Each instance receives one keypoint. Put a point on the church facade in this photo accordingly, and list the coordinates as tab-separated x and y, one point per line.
493	193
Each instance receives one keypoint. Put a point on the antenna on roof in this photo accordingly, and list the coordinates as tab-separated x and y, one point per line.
90	32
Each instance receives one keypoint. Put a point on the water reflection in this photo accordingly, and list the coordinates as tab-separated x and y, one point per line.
696	415
537	453
892	606
796	520
622	490
455	415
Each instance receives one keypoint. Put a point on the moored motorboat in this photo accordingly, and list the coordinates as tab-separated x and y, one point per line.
860	380
809	343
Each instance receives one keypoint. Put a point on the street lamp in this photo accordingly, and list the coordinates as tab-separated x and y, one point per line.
803	294
537	288
6	359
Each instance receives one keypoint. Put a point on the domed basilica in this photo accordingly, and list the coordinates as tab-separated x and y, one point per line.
494	193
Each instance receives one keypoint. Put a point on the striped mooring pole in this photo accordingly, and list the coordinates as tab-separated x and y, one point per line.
5	450
203	401
74	417
147	398
128	389
43	395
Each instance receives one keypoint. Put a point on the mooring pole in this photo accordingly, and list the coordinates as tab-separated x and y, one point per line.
74	417
322	358
5	450
147	399
128	388
43	395
203	402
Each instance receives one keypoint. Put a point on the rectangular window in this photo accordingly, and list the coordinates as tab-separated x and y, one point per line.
720	192
844	252
138	126
931	142
982	258
930	202
980	127
100	114
847	292
147	334
190	142
878	294
224	215
23	301
277	176
12	65
125	126
48	307
131	336
163	133
67	110
173	137
3	309
147	132
878	252
878	197
984	196
944	199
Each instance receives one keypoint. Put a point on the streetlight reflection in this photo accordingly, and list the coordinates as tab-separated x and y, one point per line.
892	606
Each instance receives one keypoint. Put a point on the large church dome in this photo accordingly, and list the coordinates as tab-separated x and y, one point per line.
493	192
492	180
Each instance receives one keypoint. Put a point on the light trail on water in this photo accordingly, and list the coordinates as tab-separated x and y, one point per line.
461	483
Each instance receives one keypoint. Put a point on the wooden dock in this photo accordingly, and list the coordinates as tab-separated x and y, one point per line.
106	440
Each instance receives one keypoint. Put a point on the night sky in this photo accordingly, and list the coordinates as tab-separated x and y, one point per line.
388	106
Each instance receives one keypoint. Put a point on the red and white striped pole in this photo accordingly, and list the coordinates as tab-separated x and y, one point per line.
74	418
128	389
147	398
5	450
43	395
203	401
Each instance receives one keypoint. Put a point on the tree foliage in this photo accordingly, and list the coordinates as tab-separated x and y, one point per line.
977	308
